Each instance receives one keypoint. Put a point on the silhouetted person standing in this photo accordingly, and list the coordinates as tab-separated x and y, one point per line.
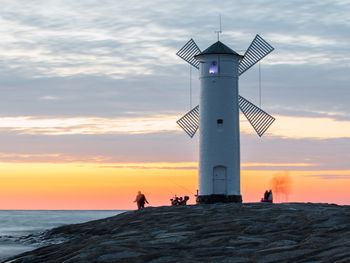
266	197
270	197
140	200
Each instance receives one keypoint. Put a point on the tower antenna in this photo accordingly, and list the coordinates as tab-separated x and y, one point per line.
218	32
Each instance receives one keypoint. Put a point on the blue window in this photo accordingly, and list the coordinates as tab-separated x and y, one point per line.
214	68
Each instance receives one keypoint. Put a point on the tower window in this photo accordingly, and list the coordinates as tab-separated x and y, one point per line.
220	121
214	68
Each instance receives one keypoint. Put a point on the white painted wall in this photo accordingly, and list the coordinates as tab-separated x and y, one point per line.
219	144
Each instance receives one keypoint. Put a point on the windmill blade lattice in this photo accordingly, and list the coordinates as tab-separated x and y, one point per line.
188	51
259	119
257	50
190	121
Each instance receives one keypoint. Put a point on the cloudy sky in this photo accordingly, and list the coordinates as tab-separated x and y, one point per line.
98	82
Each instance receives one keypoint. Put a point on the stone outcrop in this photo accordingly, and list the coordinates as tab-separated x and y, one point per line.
254	232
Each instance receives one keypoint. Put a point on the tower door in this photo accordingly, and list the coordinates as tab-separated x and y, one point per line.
219	180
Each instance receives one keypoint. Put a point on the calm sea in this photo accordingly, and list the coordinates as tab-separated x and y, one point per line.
15	224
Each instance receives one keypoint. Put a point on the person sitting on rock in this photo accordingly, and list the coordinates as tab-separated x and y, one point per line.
140	200
174	201
179	200
185	199
270	197
266	196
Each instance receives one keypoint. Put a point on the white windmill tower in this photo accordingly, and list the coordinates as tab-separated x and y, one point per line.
218	115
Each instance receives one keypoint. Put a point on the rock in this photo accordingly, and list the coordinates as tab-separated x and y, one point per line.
253	232
115	257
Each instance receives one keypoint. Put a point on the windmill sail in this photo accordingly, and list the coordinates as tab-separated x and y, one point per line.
188	51
259	119
257	50
190	121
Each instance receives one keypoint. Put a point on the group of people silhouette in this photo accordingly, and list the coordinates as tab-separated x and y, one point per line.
141	200
268	198
179	200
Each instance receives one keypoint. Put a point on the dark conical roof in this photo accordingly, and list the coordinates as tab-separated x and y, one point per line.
218	48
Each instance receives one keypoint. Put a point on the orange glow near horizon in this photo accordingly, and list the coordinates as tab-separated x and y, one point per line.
114	186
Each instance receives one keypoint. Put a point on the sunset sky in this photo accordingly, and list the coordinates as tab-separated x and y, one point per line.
90	92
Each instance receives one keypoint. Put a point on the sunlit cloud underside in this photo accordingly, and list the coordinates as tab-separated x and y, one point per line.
194	165
284	126
88	125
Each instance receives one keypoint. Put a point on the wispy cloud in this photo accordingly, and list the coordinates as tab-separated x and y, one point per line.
49	98
299	49
92	125
50	158
43	40
153	166
284	126
47	43
277	166
194	166
330	176
306	41
305	127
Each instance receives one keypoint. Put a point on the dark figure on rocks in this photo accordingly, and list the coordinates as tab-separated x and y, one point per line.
140	200
267	197
270	197
174	201
179	200
186	198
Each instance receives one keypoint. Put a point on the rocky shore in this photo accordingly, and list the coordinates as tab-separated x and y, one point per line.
253	232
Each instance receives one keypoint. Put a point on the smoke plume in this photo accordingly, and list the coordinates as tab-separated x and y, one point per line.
281	185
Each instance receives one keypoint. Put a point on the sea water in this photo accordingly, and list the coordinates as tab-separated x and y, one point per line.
15	224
